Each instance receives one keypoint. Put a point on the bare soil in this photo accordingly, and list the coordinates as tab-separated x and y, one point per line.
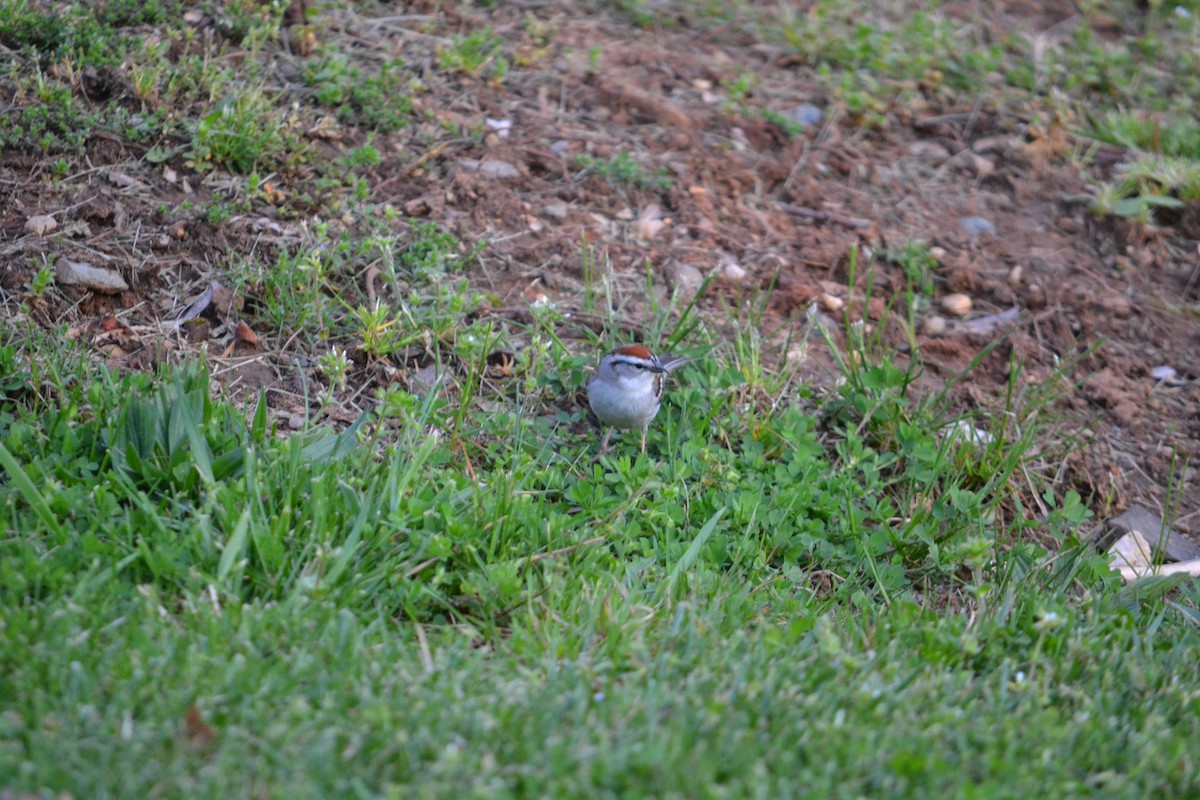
761	210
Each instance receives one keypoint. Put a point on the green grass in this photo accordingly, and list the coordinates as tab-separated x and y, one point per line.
768	602
793	594
622	170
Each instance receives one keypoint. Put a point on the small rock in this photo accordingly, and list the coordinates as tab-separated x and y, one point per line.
934	326
876	308
77	273
831	303
1014	276
963	432
1035	296
1163	373
1117	305
685	278
500	126
556	211
491	167
295	422
976	226
806	114
424	379
956	305
495	168
560	147
41	224
938	252
974	163
1160	537
732	270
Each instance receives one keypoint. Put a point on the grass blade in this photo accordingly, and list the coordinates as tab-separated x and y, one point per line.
693	552
29	491
235	546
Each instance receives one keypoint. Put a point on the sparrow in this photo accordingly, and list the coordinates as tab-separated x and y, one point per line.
626	389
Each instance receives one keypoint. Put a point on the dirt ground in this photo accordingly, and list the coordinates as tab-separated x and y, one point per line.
761	210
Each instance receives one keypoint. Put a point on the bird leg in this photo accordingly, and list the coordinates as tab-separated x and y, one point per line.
643	441
604	444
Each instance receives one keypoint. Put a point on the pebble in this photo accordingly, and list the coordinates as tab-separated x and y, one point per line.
1015	275
556	211
806	114
1162	373
1117	305
731	268
734	271
934	326
424	379
963	432
976	226
77	273
957	305
493	168
831	303
1035	296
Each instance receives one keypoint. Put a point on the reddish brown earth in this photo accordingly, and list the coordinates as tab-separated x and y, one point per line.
1105	303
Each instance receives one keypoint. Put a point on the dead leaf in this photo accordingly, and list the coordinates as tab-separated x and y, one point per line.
123	181
327	129
40	224
272	193
198	306
245	334
196	731
649	223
